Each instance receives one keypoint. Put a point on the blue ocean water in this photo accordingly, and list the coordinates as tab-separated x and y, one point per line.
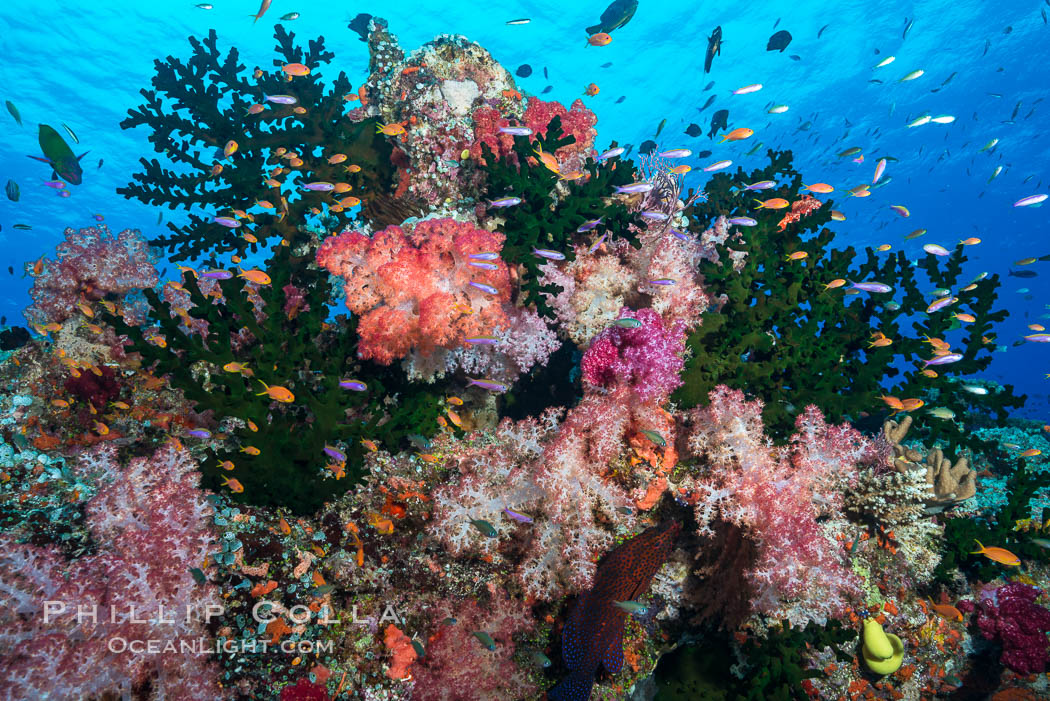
82	64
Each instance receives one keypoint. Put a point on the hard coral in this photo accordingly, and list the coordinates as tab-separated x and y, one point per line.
1010	615
91	264
412	289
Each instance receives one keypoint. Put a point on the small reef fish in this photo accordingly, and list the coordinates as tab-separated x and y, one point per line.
1030	200
484	527
57	153
675	153
775	203
936	250
488	289
277	393
743	221
490	385
871	287
235	486
633	188
762	185
945	359
1000	555
281	99
354	385
485	639
946	611
548	254
505	202
611	153
632	607
517	516
516	131
738	134
819	188
296	69
754	87
717	165
599	39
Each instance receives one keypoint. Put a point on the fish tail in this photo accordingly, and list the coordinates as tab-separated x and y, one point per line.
575	687
760	204
978	552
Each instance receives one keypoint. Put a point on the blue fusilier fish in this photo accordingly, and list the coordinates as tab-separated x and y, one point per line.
64	163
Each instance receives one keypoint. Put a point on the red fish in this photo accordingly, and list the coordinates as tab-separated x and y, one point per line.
593	634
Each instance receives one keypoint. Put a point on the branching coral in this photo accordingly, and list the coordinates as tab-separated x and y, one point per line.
948	484
91	264
150	522
788	335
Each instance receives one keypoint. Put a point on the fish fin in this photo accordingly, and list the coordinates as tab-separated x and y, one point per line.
83	154
593	30
613	658
575	687
38	158
978	552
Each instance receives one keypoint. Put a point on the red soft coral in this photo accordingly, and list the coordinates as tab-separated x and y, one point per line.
577	121
412	290
800	208
457	667
648	358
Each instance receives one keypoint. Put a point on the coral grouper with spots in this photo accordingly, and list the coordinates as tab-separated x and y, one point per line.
593	634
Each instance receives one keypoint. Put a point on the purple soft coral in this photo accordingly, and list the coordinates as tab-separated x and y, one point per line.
647	357
1011	615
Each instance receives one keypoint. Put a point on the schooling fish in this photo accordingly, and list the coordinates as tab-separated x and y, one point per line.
14	111
59	156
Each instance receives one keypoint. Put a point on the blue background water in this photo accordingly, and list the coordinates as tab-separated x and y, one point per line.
83	64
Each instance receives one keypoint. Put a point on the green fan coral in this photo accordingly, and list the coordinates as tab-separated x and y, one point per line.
199	107
276	332
793	332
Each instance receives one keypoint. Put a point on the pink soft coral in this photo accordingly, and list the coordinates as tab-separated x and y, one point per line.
776	495
647	358
151	524
90	264
412	290
457	667
578	121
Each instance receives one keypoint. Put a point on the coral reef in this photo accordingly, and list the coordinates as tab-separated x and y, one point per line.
948	484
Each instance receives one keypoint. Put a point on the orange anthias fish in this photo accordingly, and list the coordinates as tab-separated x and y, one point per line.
394	129
235	486
295	69
277	393
382	524
1000	555
819	188
547	160
775	203
257	276
599	39
947	611
262	9
591	90
737	134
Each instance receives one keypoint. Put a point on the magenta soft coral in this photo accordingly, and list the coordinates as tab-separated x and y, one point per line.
90	264
648	358
151	526
578	121
1010	615
412	290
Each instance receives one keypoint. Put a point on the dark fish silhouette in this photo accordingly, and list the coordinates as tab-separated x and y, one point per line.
707	104
14	337
59	156
605	65
795	57
714	46
1023	273
545	72
647	147
719	120
694	130
12	190
703	154
822	30
593	633
708	86
779	41
524	71
546	90
615	16
620	99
